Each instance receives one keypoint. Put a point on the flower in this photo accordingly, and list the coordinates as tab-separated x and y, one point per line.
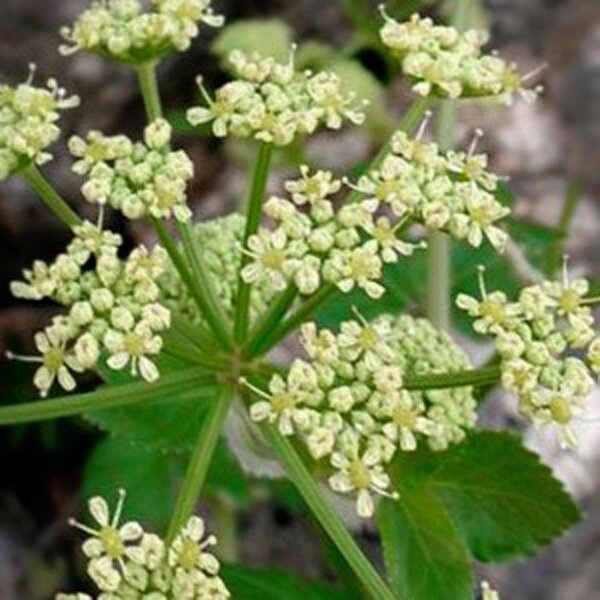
110	544
273	103
28	123
122	30
444	62
363	474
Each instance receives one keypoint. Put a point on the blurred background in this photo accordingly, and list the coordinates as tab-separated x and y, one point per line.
548	149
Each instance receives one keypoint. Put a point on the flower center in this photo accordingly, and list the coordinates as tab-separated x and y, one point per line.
360	267
368	338
569	301
113	544
404	417
359	475
134	344
54	359
273	259
560	410
188	557
283	401
493	310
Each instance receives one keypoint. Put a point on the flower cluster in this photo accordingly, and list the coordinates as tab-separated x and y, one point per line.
113	308
220	241
28	117
449	191
139	179
536	338
347	403
274	103
445	62
125	562
123	31
307	247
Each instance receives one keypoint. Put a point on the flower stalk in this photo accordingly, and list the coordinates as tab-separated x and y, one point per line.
253	214
207	439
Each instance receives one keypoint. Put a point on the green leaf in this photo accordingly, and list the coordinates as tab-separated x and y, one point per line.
504	500
149	477
269	37
166	426
425	556
271	584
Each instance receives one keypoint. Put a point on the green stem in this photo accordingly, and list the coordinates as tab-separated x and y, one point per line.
50	197
207	439
438	288
225	522
111	397
253	213
205	296
563	227
302	313
270	320
408	124
483	376
327	517
193	285
149	88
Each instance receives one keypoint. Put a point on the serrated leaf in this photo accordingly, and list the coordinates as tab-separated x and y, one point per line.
165	426
425	556
149	477
271	584
504	500
269	37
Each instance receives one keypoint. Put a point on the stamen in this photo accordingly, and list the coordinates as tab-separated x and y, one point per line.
119	508
359	316
351	185
481	278
100	220
424	123
477	135
565	270
384	13
74	523
292	57
32	71
534	72
401	222
203	90
23	358
243	381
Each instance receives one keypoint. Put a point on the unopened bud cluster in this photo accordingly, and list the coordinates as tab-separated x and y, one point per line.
449	191
127	563
113	307
274	103
220	242
441	61
124	31
537	338
28	117
347	247
139	179
348	404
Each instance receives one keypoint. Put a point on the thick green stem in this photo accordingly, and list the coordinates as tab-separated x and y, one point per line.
207	439
253	213
205	296
270	320
303	313
557	250
192	283
440	248
475	377
111	397
149	88
226	523
50	197
327	517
